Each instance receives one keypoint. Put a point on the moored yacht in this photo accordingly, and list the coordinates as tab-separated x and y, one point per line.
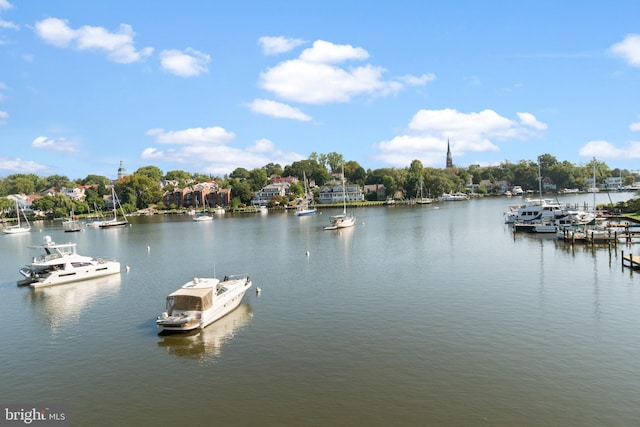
201	302
60	263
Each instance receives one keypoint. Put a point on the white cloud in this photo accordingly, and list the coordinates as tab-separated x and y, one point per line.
5	5
215	135
8	25
209	150
628	49
324	52
428	131
635	127
418	80
61	144
4	117
18	165
277	110
316	76
277	45
606	150
185	64
118	45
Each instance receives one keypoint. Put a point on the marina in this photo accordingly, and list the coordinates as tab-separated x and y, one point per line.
433	314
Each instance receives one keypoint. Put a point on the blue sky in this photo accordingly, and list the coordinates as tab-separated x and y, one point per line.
207	86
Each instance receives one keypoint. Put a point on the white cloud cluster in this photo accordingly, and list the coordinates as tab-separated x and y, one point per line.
118	45
184	64
4	117
606	150
209	150
277	110
429	131
322	75
18	165
628	49
278	45
62	144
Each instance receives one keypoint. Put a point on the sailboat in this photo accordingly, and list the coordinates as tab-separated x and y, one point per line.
20	227
342	220
306	207
71	224
420	199
202	216
114	222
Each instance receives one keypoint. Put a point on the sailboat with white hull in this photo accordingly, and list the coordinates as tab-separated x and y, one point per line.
342	220
21	226
115	221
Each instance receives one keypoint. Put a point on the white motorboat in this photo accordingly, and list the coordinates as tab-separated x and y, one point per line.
453	197
60	263
201	302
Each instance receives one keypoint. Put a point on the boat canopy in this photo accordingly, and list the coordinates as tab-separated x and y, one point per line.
194	299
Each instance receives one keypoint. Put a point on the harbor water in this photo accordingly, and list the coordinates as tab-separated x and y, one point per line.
418	316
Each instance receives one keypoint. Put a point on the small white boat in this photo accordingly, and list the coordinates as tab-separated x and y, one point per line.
306	206
202	217
20	227
342	220
115	221
202	301
60	263
449	197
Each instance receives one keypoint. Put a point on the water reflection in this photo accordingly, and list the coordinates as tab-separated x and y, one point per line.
207	343
63	304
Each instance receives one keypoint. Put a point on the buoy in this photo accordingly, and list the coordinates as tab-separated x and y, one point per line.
307	253
148	248
258	290
127	268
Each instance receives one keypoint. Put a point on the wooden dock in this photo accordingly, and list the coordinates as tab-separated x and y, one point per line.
631	261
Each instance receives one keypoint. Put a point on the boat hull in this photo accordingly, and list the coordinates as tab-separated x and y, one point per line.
192	320
37	279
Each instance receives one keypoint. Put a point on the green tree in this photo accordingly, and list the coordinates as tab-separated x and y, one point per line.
240	173
257	179
272	169
22	183
94	179
152	172
139	191
335	161
178	175
58	182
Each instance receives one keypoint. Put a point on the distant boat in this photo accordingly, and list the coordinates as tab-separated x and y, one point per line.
420	198
202	301
342	220
21	226
115	222
71	224
306	206
453	197
202	216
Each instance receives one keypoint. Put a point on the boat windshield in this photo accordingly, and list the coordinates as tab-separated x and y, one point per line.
189	300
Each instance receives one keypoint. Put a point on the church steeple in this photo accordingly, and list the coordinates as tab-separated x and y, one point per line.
449	157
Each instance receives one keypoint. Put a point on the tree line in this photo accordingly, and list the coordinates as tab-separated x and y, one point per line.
143	189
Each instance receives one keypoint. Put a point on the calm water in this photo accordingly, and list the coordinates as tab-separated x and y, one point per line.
417	316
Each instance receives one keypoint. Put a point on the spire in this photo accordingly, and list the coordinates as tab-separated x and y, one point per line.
449	158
